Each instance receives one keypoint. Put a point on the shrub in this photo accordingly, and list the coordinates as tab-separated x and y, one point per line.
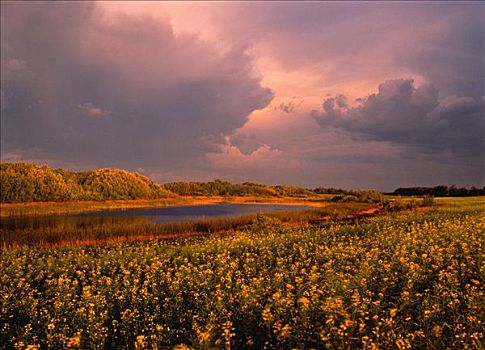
428	200
370	196
21	182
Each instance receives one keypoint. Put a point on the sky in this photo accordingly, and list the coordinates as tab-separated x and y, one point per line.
334	94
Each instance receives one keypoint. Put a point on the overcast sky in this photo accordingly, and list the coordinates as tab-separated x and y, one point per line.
354	95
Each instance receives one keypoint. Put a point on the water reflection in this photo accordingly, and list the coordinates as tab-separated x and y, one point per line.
123	218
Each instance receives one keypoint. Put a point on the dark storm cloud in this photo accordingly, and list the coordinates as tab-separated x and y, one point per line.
442	41
246	143
116	90
413	116
453	58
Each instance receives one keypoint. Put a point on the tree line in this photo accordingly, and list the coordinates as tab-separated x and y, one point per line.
225	188
22	182
440	191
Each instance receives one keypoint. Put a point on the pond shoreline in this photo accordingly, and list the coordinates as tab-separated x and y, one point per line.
78	207
66	230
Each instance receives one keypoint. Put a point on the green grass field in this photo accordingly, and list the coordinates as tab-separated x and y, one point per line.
406	280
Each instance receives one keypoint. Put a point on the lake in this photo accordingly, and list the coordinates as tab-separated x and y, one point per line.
149	215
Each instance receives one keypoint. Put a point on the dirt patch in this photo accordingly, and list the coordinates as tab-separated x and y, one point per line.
371	211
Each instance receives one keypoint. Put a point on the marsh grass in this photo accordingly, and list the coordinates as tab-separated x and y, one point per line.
60	230
58	208
76	207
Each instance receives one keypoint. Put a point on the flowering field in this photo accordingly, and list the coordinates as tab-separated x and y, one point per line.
394	282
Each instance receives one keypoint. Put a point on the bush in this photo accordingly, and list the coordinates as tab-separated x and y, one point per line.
29	183
21	182
263	223
428	200
119	184
370	196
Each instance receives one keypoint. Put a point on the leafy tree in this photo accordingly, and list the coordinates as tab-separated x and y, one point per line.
440	191
21	182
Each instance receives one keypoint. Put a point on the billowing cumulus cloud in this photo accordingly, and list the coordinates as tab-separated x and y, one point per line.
110	89
404	114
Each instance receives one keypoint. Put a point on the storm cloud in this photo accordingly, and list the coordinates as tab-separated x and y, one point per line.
404	114
181	90
111	89
453	56
352	41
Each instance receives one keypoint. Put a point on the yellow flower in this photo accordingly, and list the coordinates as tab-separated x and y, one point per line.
204	336
74	341
348	323
140	340
401	344
181	347
285	331
266	314
437	330
277	296
304	301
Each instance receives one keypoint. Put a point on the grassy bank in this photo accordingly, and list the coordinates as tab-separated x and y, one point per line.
402	281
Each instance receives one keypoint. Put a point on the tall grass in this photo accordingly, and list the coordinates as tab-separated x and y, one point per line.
55	208
50	231
74	207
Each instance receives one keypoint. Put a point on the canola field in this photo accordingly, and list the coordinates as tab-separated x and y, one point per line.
401	281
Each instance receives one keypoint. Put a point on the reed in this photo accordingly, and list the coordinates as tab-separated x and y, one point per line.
54	231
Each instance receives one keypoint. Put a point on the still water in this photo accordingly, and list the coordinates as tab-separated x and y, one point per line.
153	215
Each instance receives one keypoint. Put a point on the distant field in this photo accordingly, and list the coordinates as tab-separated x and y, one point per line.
405	280
461	202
